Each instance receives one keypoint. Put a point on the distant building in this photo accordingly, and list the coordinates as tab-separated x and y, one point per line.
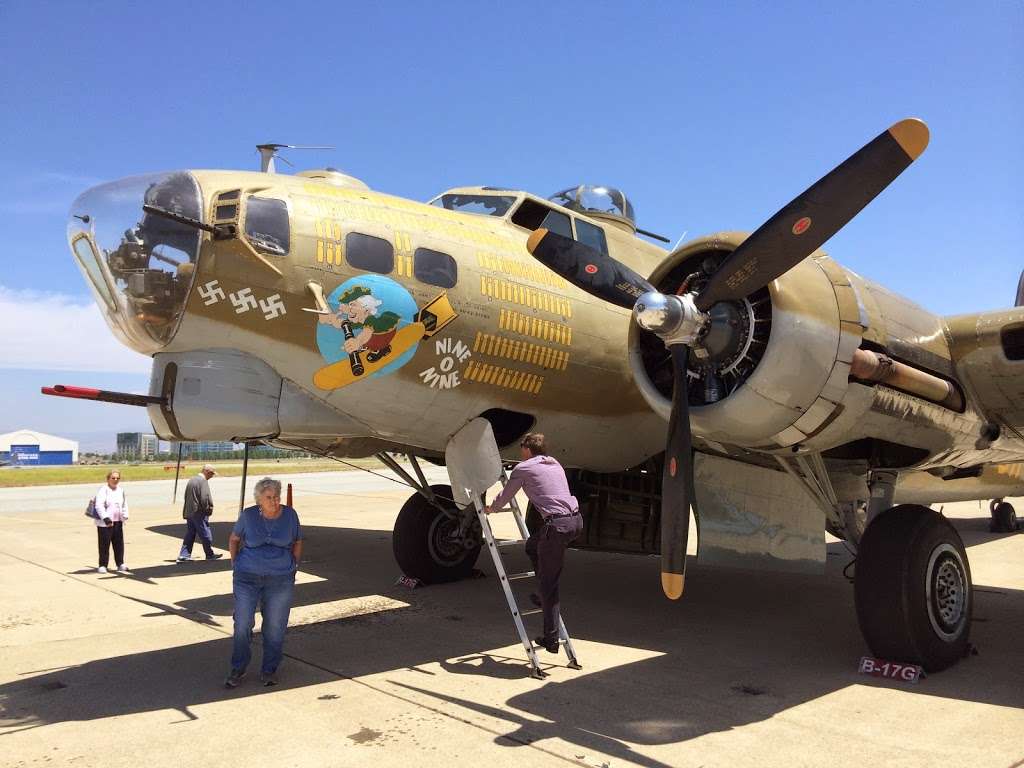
136	446
202	448
29	448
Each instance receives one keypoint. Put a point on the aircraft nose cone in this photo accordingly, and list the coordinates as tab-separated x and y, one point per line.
138	266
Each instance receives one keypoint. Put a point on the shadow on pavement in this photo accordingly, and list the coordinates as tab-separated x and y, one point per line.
152	574
740	648
975	531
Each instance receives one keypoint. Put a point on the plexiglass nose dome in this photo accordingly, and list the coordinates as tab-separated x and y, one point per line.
139	265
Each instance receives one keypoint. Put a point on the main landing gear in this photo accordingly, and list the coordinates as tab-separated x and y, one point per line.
913	588
1004	517
433	540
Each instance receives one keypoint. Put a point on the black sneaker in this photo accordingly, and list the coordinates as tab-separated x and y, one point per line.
373	357
234	678
551	646
268	679
215	556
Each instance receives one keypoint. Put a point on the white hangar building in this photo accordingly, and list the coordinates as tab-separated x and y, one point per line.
29	448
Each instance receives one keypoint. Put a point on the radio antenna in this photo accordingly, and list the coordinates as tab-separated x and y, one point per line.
268	152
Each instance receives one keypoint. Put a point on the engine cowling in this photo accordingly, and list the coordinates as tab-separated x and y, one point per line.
772	368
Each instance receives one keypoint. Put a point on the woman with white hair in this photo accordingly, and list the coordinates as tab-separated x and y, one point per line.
111	515
265	546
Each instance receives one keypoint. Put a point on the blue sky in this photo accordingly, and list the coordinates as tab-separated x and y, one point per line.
709	115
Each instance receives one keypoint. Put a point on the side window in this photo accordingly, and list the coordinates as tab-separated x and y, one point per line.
226	208
435	268
592	235
370	253
533	215
266	224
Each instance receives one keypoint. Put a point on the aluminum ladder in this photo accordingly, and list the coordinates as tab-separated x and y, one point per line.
495	546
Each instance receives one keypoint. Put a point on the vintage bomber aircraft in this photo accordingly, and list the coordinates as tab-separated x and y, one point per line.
312	312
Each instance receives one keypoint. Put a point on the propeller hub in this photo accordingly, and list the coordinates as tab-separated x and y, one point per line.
675	319
655	312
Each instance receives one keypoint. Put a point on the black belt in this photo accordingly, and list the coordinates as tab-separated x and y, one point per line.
561	515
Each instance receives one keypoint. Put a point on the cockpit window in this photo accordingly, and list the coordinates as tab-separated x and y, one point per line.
592	235
486	205
534	215
266	225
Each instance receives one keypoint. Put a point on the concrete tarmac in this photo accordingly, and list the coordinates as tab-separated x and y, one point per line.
748	669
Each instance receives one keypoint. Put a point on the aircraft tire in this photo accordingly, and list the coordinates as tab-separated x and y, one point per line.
422	543
1004	518
913	589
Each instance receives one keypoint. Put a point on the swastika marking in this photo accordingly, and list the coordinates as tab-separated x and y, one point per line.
211	292
272	306
243	300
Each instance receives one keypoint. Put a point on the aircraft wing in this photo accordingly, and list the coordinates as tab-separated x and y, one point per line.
988	351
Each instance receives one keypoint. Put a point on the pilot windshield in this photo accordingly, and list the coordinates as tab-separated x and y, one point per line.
486	205
139	264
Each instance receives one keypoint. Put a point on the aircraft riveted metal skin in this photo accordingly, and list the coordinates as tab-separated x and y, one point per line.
685	322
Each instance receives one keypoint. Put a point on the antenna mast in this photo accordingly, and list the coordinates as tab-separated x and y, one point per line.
269	152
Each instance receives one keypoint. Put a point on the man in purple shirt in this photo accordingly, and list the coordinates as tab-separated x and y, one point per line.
543	480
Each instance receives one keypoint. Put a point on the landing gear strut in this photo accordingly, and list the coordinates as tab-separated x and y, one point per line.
913	588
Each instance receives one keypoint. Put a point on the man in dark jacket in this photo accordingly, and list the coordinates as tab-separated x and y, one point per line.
198	507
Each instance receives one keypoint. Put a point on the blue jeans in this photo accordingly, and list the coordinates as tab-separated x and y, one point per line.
274	595
198	525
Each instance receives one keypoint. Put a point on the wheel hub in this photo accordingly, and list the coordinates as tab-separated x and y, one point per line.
445	542
947	591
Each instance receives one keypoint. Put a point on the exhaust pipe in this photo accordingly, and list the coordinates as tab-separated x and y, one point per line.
872	366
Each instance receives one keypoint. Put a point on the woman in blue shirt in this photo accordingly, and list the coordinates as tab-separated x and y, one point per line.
265	547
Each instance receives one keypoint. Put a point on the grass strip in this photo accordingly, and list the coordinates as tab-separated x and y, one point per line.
19	477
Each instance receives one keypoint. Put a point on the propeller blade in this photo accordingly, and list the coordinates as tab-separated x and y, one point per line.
588	269
793	233
676	482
